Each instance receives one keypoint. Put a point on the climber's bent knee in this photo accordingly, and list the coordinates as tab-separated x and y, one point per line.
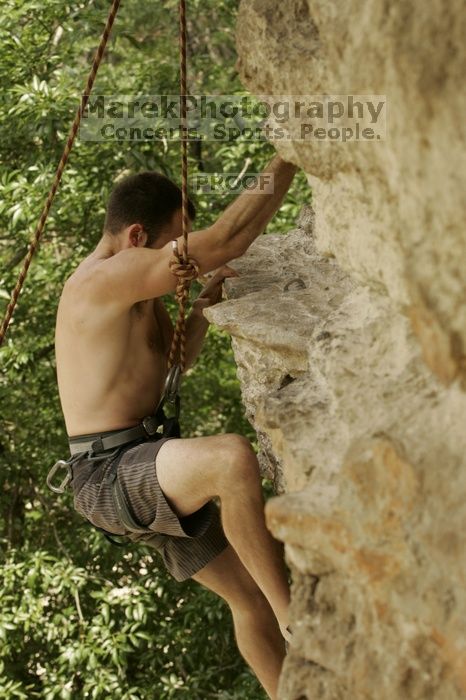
241	462
191	471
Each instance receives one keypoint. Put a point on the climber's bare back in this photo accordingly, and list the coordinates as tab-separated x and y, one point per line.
111	362
113	332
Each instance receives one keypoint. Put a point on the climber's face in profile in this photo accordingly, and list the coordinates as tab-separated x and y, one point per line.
136	236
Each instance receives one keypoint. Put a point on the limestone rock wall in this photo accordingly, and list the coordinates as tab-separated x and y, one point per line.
349	333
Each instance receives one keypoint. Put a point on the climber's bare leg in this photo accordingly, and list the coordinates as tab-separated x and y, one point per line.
191	471
244	524
256	630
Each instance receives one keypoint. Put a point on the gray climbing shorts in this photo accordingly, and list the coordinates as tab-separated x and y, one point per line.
187	543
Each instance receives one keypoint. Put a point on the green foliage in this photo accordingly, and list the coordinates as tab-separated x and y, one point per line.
78	618
77	633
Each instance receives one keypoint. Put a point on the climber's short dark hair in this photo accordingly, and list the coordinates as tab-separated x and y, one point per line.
147	198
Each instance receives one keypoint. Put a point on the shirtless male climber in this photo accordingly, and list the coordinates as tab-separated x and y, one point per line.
113	335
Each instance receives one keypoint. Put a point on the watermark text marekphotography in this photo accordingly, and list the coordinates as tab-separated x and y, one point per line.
340	118
232	183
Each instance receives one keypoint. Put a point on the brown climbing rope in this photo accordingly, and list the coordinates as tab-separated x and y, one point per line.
181	265
61	166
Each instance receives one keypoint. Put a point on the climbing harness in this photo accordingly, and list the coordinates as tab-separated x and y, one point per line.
97	448
97	444
184	267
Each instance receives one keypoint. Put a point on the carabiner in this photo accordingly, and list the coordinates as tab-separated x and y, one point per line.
172	383
59	465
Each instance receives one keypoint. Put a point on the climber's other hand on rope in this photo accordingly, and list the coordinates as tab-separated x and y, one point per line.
212	292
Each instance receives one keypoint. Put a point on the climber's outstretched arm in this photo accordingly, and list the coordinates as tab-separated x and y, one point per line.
136	274
246	218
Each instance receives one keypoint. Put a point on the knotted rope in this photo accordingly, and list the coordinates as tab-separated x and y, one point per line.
59	172
181	265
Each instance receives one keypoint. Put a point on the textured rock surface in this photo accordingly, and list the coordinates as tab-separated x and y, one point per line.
350	334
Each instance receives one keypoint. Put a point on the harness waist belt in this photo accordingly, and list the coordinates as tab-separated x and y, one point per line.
100	442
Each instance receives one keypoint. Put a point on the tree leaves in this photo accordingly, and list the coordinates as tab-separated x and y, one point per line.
78	618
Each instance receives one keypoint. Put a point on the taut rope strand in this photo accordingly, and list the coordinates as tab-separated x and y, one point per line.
61	166
181	265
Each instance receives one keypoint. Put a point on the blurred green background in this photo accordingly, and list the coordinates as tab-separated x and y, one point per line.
80	618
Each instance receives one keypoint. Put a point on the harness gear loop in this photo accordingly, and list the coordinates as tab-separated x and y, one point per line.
59	172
